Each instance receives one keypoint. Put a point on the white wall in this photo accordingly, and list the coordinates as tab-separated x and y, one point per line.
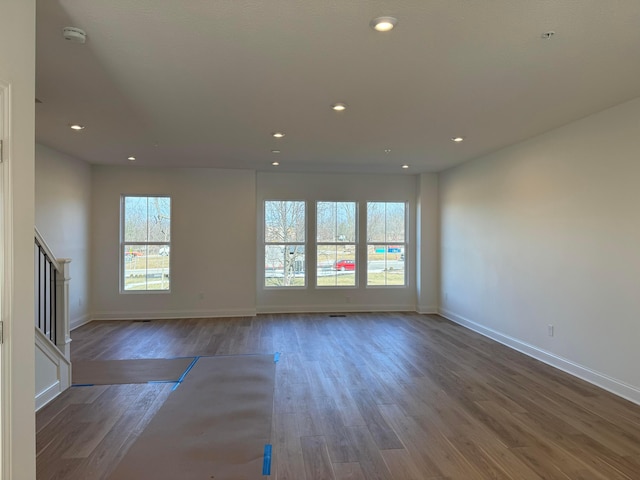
428	244
17	67
548	232
213	242
337	187
63	200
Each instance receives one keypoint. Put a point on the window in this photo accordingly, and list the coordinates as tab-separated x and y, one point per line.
386	243
284	243
336	244
145	244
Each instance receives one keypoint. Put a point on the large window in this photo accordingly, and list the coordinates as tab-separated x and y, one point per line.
336	241
284	243
145	245
386	224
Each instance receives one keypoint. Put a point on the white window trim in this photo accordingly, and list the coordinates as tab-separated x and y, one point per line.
124	244
304	244
356	245
405	244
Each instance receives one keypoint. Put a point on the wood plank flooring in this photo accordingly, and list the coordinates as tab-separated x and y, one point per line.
388	396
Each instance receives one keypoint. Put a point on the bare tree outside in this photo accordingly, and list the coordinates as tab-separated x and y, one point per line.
284	231
386	225
146	242
336	235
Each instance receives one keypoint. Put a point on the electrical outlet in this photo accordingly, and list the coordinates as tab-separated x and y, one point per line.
550	330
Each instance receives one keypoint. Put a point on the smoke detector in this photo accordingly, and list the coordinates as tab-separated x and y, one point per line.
75	35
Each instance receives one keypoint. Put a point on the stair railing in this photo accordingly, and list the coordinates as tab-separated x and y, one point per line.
52	295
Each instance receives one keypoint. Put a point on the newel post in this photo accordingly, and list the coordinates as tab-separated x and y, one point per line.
63	337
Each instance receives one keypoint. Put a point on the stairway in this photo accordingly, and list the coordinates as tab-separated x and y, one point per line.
52	340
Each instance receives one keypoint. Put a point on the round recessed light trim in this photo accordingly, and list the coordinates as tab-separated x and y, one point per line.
76	126
548	35
131	158
383	24
275	164
339	107
278	134
457	139
405	166
276	151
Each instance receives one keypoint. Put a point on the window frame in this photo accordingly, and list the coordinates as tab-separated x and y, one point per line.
304	245
404	244
355	244
123	244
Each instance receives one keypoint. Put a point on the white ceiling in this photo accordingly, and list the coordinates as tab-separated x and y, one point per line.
204	83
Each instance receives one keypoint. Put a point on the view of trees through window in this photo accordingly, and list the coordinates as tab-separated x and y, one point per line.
146	242
336	243
336	229
386	243
284	238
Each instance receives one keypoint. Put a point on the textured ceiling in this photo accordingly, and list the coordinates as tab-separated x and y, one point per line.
204	83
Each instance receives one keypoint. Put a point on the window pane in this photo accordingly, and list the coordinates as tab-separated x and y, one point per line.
395	222
385	222
159	219
375	222
284	266
336	265
284	221
336	222
135	219
385	265
346	221
145	268
326	222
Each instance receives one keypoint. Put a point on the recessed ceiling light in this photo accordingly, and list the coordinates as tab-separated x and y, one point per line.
405	166
387	150
76	127
131	159
275	151
383	24
457	139
278	134
339	107
275	164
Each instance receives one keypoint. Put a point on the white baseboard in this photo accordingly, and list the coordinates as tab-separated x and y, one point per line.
343	307
47	395
171	315
79	321
427	309
613	385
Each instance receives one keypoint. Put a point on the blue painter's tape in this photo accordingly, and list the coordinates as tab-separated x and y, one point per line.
188	369
276	357
162	381
266	463
185	373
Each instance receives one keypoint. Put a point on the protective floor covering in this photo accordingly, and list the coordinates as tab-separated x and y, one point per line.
111	372
214	426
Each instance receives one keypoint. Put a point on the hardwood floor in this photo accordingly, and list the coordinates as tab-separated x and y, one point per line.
366	396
